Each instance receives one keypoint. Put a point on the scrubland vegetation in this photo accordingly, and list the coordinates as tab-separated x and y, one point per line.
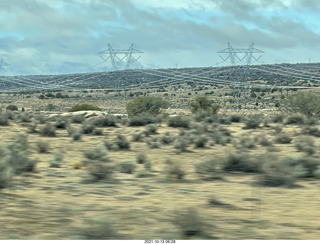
206	173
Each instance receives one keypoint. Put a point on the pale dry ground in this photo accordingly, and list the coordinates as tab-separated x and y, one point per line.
54	203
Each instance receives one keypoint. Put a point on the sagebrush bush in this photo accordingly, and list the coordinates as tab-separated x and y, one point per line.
305	144
138	136
141	158
97	132
151	129
25	117
142	120
206	167
189	222
57	159
311	130
78	119
154	143
48	129
97	153
235	118
295	119
6	172
12	107
127	167
174	170
100	171
4	121
202	103
84	107
105	121
200	141
167	138
179	121
145	105
241	162
180	145
307	103
283	138
88	127
43	146
61	123
252	123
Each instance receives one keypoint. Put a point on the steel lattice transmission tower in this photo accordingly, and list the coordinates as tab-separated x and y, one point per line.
247	54
120	58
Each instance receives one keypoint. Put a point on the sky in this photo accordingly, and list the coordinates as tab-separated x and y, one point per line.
65	36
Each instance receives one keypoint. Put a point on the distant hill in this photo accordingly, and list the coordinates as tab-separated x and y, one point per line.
294	75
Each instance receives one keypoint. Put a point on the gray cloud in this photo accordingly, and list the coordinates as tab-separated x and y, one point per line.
42	37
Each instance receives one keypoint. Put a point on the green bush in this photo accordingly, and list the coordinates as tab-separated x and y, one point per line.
97	153
242	163
100	171
49	129
179	121
305	144
4	121
180	145
84	107
201	103
78	119
105	121
151	129
154	143
57	159
283	138
6	172
307	103
167	138
174	170
142	120
295	119
206	167
252	123
12	107
127	167
141	158
88	127
145	105
120	143
43	146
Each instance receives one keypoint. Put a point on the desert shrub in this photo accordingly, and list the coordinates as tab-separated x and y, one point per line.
49	129
4	119
77	135
50	107
88	127
283	138
21	141
221	136
100	228
200	141
138	136
100	171
190	223
61	123
277	173
105	121
180	145
84	107
145	105
154	143
43	146
122	142
151	129
201	103
278	118
25	117
264	141
252	123
12	107
235	118
242	163
311	130
32	127
305	144
41	118
18	158
78	119
142	120
57	159
307	103
141	158
206	167
167	138
301	167
295	119
174	170
244	141
127	167
97	132
97	153
6	172
179	121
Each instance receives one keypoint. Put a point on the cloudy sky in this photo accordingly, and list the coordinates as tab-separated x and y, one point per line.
65	36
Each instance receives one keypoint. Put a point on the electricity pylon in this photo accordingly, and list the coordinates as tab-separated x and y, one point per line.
245	60
120	58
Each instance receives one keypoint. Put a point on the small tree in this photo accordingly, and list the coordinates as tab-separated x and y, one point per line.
145	105
307	103
202	103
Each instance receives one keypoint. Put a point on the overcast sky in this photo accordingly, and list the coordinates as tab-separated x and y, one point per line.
65	36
